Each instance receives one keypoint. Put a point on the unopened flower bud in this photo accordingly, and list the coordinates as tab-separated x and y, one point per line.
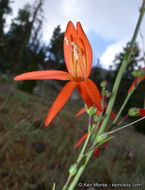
101	137
103	84
91	110
95	118
138	73
107	94
133	112
73	170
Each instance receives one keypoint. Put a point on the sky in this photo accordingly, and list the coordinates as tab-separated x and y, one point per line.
108	24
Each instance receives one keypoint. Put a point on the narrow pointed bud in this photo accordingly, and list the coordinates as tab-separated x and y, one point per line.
107	93
102	137
73	169
103	84
138	73
134	112
95	118
91	111
53	188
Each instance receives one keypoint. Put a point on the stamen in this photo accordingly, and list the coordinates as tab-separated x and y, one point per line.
73	48
76	55
67	41
77	52
83	66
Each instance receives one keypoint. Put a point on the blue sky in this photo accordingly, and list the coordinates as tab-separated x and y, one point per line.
98	44
109	24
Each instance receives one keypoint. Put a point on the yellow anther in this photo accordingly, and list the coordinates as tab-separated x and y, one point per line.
67	41
76	55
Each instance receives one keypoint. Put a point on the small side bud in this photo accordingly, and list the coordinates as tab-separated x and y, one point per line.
134	112
103	84
101	137
138	73
107	94
93	126
73	170
95	118
92	110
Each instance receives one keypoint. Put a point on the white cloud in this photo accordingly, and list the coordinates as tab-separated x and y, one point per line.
108	56
109	19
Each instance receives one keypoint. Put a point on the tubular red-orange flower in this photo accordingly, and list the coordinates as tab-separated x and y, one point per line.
141	112
96	151
78	60
81	140
137	79
83	110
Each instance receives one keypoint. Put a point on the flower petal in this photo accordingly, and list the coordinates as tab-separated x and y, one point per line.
87	47
142	112
49	74
81	140
90	94
133	85
60	101
69	33
78	60
137	79
96	152
83	110
84	95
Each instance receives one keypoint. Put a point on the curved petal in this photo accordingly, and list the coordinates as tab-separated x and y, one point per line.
142	112
83	110
90	94
60	101
133	85
97	151
70	33
81	140
49	74
137	79
86	46
85	96
77	51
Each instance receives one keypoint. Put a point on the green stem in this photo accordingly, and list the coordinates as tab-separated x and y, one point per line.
122	107
120	111
80	171
111	101
86	159
121	71
82	152
83	149
86	141
118	129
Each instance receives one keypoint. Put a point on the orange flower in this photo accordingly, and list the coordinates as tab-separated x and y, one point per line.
142	112
97	150
135	82
78	59
82	139
83	110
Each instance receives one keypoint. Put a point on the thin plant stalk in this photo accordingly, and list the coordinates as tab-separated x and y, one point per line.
121	71
112	99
